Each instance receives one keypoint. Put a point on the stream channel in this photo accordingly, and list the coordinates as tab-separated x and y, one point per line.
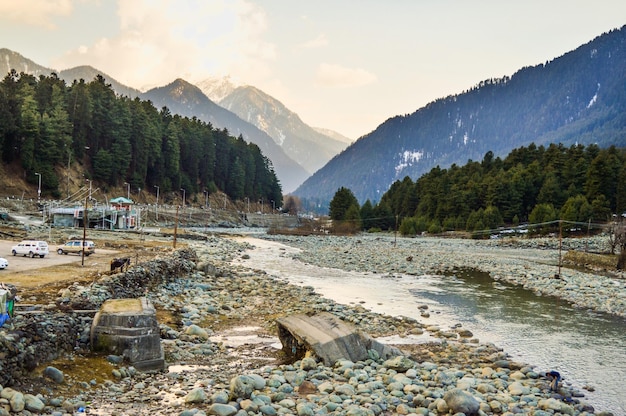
587	348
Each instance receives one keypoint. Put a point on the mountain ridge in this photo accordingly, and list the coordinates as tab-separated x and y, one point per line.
300	141
186	99
579	97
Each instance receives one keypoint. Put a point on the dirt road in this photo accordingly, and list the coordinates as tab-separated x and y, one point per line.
19	263
39	281
26	272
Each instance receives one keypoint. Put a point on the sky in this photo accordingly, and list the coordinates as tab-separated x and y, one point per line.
344	65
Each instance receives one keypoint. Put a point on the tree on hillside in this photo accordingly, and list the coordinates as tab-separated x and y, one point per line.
367	215
341	202
577	209
545	215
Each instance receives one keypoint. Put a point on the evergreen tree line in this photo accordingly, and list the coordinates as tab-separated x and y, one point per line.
579	97
533	184
45	124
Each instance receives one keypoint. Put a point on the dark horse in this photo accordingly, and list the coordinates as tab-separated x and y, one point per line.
120	263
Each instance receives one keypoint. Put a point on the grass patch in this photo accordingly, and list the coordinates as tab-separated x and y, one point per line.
591	260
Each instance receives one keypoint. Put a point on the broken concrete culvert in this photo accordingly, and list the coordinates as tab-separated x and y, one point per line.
329	339
129	328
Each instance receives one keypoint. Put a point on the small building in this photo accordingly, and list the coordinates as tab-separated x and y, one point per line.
66	217
120	214
127	215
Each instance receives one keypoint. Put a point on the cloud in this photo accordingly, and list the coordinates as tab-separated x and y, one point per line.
330	75
35	12
318	42
159	41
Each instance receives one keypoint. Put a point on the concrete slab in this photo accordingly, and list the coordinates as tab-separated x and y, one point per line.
329	338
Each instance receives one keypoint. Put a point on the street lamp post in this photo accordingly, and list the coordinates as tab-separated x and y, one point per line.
128	190
157	203
39	187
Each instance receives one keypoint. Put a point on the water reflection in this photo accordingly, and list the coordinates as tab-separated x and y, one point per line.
584	346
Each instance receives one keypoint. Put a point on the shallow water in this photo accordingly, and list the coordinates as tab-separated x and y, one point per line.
588	349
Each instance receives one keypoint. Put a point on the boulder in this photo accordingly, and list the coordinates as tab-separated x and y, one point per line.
54	374
196	395
400	363
460	401
241	387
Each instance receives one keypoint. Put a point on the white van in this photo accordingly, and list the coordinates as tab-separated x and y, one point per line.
31	248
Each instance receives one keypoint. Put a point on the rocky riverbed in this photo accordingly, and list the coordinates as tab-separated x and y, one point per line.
217	303
531	263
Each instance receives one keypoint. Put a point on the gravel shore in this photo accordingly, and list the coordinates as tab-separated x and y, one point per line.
531	263
220	303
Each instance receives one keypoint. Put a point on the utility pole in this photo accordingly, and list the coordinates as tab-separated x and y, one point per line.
176	227
69	159
558	276
85	219
395	233
89	180
157	203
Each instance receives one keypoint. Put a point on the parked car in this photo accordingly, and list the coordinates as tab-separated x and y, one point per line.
4	263
31	248
75	246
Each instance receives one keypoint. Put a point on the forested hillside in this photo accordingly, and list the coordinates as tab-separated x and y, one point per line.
578	98
188	100
45	123
533	184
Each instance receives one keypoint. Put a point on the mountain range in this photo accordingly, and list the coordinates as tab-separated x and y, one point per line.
577	98
295	149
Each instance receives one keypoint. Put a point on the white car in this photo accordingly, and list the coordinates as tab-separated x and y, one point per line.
31	248
3	263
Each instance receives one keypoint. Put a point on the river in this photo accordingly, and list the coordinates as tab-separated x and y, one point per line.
587	348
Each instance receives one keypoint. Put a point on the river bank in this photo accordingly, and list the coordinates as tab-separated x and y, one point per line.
587	346
220	303
530	263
